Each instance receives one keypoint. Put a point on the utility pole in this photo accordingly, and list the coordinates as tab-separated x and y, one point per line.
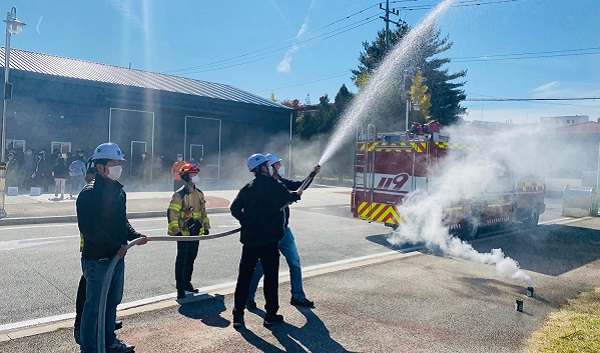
387	21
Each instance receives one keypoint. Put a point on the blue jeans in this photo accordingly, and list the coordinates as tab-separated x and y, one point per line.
77	183
287	247
94	271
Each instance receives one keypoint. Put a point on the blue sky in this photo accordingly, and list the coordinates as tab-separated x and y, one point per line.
308	47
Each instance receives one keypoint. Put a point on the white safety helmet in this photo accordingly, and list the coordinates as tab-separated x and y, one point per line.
255	160
108	150
272	158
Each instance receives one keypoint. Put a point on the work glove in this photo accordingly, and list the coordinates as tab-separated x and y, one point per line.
206	231
194	227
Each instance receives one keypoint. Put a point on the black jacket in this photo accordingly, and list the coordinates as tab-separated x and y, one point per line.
258	208
292	185
102	219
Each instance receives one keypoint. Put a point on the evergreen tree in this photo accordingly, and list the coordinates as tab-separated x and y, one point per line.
444	96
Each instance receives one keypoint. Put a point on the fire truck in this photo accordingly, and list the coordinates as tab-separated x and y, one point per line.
389	166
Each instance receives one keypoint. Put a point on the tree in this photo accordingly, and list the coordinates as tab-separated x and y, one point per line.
444	96
418	95
272	97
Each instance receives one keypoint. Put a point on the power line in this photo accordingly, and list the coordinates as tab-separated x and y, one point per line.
529	99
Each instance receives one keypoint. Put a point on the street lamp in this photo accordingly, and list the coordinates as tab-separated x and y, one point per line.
13	26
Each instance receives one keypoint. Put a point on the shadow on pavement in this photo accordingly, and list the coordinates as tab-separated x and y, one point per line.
208	310
312	337
549	249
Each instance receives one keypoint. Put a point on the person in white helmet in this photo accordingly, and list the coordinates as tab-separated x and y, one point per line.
258	207
105	231
287	245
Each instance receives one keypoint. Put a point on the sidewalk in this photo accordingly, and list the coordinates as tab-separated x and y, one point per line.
151	201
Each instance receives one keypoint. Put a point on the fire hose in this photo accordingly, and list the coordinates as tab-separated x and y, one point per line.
113	263
111	267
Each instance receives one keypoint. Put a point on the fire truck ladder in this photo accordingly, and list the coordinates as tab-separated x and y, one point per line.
362	163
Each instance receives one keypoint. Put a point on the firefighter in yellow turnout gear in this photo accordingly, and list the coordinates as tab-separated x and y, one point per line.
187	217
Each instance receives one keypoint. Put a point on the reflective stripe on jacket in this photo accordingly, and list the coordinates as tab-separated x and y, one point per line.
187	204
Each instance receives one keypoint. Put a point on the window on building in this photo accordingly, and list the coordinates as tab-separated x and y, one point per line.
63	147
18	145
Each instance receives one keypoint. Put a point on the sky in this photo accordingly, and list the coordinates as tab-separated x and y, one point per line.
304	49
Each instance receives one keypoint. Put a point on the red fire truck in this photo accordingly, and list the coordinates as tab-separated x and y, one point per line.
390	166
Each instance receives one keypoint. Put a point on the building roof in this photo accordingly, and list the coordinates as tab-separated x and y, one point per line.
587	128
86	70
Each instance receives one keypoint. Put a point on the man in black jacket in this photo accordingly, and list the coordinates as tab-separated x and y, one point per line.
105	230
258	207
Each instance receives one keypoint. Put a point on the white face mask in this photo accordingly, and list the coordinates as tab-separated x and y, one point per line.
270	168
114	172
180	158
281	170
195	179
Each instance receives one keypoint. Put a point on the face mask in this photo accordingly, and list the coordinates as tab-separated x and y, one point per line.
114	172
195	179
180	158
281	170
270	169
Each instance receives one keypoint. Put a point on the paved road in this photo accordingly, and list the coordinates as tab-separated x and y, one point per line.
408	303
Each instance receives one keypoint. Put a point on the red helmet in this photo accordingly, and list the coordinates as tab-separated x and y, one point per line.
186	169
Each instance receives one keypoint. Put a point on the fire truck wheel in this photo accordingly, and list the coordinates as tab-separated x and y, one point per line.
533	217
470	228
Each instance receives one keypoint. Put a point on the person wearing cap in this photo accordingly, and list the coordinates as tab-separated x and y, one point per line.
105	231
258	207
187	217
287	245
177	182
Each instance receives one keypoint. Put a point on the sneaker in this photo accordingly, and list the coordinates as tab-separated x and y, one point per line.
77	334
119	347
271	320
251	305
302	302
238	320
118	325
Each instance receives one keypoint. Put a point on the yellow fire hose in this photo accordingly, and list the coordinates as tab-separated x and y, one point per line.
113	263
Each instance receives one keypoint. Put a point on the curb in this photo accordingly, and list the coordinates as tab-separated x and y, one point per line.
73	218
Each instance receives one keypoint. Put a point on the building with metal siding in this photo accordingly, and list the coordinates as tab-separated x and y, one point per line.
71	104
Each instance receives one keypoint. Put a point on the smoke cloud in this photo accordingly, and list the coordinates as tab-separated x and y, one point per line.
486	162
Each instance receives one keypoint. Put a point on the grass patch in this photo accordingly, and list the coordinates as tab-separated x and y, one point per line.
575	328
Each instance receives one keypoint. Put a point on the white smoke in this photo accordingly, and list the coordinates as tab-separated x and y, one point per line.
484	165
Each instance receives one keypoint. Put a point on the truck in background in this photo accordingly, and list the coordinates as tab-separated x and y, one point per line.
389	166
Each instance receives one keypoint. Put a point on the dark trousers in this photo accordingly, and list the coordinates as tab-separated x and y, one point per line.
80	300
184	262
269	258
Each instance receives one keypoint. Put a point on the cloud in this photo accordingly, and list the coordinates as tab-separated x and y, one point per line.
37	28
125	10
285	64
547	87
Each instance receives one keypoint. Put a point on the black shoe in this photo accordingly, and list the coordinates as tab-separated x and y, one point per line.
251	305
238	319
77	334
118	325
271	320
180	294
302	302
189	288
